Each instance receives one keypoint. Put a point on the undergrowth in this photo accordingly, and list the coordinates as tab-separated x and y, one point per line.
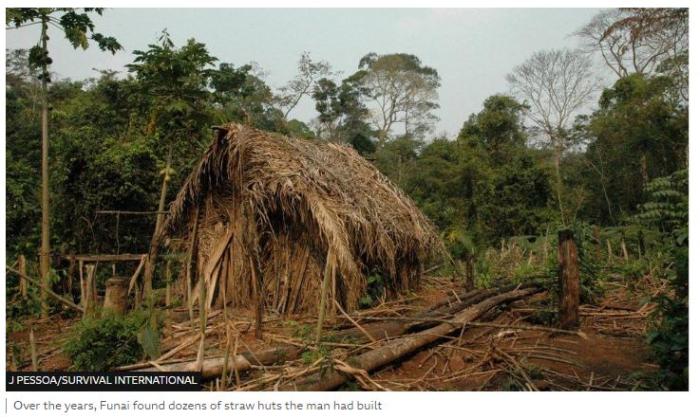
101	344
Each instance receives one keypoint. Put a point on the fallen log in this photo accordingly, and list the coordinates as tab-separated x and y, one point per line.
403	346
387	329
214	367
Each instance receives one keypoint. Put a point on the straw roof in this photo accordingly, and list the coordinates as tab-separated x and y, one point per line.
359	216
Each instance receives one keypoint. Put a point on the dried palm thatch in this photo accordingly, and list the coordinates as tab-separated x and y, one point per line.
290	209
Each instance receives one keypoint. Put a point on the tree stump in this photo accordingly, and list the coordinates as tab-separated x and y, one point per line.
116	295
568	281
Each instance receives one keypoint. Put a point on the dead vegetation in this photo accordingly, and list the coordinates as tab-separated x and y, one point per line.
282	210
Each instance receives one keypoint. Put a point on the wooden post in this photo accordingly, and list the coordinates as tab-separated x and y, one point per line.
545	248
168	279
88	290
568	281
623	247
71	273
610	252
641	245
596	237
22	266
324	295
333	295
188	262
82	283
469	271
32	348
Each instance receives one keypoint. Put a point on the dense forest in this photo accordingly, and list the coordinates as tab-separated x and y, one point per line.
557	148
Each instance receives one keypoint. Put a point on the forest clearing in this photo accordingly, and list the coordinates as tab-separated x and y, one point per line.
185	221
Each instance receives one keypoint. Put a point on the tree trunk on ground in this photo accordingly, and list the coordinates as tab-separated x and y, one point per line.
401	347
388	328
212	368
568	281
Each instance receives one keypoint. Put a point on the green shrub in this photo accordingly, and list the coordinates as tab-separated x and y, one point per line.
101	344
374	292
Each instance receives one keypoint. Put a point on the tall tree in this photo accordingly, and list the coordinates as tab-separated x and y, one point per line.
303	83
642	132
241	95
639	40
78	28
399	90
176	80
555	84
342	114
498	127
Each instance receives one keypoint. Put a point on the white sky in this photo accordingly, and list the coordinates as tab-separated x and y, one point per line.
472	49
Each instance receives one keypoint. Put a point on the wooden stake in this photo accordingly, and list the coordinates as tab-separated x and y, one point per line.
623	247
259	302
22	266
168	279
89	302
71	273
641	244
610	252
188	265
324	295
469	271
568	281
32	347
596	237
82	281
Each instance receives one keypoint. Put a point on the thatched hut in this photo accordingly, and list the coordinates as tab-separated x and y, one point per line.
266	211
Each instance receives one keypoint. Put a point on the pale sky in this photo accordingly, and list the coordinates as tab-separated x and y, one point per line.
472	49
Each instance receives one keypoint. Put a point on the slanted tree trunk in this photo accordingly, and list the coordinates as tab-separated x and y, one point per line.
568	281
155	242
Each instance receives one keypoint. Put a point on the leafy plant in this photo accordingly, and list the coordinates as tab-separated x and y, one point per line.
667	209
100	344
375	290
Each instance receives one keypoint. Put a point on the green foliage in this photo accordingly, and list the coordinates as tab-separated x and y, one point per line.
311	356
639	133
374	291
666	207
667	210
75	24
101	344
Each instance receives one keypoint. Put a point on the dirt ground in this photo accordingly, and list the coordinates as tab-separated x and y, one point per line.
609	352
